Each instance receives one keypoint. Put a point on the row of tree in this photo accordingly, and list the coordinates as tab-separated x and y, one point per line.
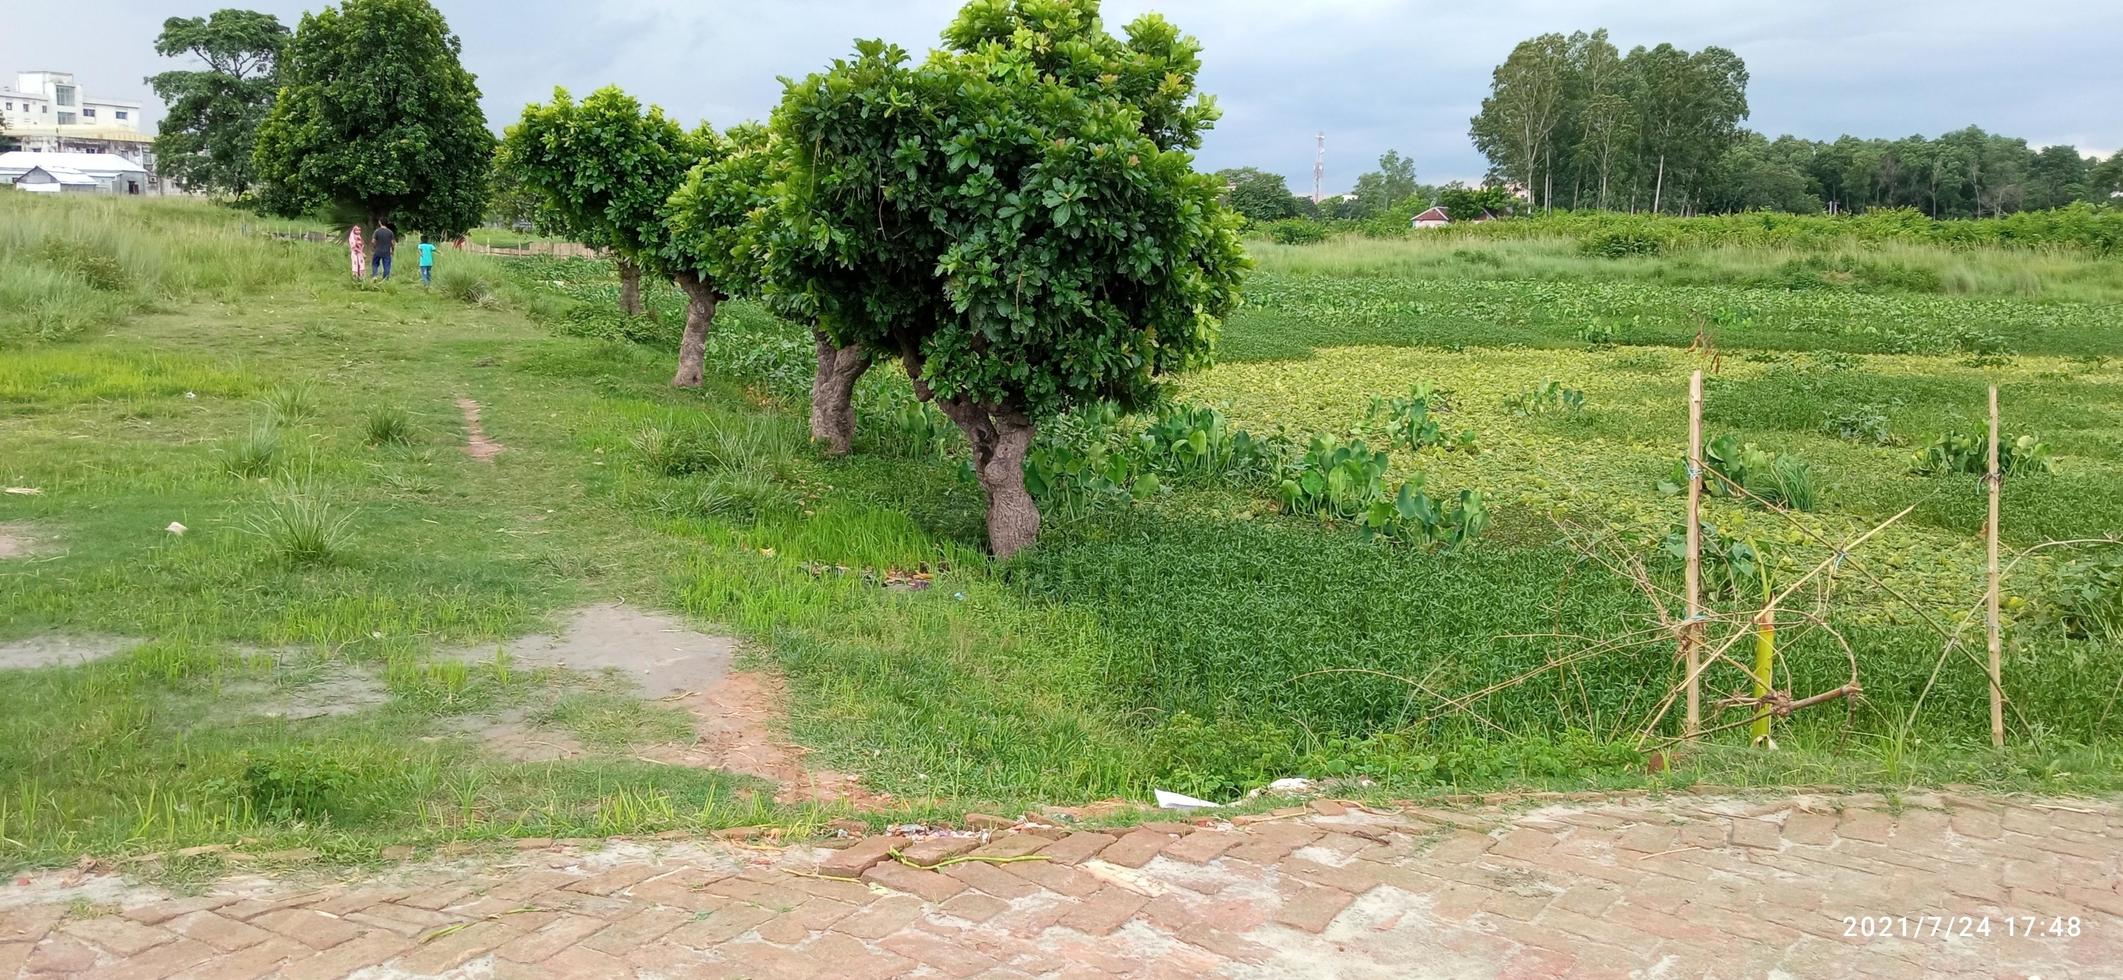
1578	124
1015	219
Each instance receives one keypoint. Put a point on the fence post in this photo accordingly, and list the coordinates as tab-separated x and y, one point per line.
1691	628
1990	535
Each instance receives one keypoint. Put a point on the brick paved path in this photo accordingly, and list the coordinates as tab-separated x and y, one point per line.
1682	887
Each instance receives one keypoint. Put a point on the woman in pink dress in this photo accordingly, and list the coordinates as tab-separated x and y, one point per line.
359	255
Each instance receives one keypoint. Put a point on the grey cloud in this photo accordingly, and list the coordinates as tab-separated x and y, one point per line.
1372	74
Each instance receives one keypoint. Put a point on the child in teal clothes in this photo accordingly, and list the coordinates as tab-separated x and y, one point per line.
427	263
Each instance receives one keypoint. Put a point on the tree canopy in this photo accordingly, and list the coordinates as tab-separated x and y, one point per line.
377	113
207	136
1017	220
1258	195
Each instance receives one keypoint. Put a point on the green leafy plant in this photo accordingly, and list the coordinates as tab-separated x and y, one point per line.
1866	423
1730	568
1969	453
1408	422
1599	334
1778	480
2085	597
1297	231
295	783
1547	397
1197	445
1414	518
1335	479
1621	243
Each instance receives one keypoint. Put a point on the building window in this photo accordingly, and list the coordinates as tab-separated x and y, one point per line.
122	114
63	94
66	119
88	113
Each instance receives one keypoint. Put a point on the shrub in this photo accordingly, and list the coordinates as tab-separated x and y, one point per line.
97	267
1335	479
1731	569
295	783
1548	396
1298	231
389	426
1969	453
1620	243
251	455
1196	445
743	495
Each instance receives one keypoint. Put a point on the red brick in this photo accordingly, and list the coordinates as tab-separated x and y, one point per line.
852	861
159	912
1103	911
1136	848
928	852
1807	827
940	953
437	899
62	954
165	960
249	963
1313	907
881	918
930	885
1057	878
609	882
991	879
582	963
1013	845
121	936
974	907
1076	848
720	926
846	959
782	930
1866	825
554	936
763	888
313	929
1749	832
1202	846
224	934
445	952
637	928
347	957
848	892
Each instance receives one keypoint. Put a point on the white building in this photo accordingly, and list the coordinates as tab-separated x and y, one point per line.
56	180
111	174
46	112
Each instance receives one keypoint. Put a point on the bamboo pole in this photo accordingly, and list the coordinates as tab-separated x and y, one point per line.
1765	656
1990	535
1692	627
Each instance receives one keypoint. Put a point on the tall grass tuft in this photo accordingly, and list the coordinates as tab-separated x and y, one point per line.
468	287
389	425
290	404
251	455
301	528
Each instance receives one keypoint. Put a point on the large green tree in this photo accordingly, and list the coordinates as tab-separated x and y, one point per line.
211	127
1517	126
1017	220
607	169
377	113
1257	194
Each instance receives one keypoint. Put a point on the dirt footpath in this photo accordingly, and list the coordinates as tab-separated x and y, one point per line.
1682	887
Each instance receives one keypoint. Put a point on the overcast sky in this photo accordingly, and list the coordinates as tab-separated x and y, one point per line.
1373	74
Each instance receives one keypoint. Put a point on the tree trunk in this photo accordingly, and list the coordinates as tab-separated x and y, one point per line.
700	315
833	394
629	286
1660	187
1000	437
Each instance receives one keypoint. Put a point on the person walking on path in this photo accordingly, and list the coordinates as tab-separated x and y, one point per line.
354	251
380	261
427	262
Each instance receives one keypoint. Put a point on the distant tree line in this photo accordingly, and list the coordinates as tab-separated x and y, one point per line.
1580	125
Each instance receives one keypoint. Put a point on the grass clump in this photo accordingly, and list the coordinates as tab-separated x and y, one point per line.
466	286
389	426
290	404
301	528
251	455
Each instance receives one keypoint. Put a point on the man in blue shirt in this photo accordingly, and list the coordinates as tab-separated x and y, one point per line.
380	251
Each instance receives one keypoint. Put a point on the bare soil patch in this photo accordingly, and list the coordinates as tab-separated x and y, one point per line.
56	651
735	712
19	540
339	690
476	443
511	736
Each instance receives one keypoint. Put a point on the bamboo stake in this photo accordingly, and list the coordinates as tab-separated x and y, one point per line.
1692	627
1990	534
1765	656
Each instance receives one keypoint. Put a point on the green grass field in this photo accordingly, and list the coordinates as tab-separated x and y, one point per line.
173	362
